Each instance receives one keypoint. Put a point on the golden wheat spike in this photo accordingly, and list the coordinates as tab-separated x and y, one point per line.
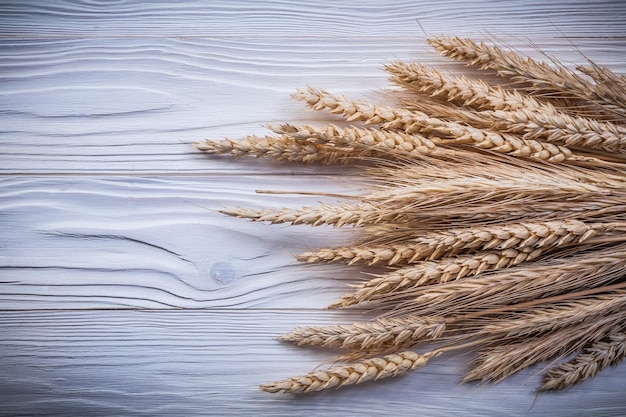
499	213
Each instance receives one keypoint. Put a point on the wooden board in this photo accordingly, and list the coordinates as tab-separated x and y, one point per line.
209	363
158	242
123	290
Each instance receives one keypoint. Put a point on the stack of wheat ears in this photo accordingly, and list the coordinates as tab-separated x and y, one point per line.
495	221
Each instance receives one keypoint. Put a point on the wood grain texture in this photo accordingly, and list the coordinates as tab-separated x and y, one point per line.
144	242
104	205
134	105
210	363
287	18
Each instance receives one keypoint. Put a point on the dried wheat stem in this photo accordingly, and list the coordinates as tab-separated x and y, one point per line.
456	133
603	75
480	189
536	280
551	79
382	333
549	317
412	203
367	370
279	148
435	272
436	245
469	165
496	363
593	359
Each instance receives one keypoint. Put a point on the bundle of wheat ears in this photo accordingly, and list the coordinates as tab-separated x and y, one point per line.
495	221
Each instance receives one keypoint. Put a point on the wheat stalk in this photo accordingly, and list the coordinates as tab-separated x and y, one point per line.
414	121
437	245
435	272
496	363
498	212
541	279
594	358
549	317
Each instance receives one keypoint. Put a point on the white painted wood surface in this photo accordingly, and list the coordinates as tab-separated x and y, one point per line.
122	290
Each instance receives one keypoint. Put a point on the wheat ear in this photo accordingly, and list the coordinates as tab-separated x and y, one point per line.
382	333
497	188
434	272
587	364
461	90
367	370
452	197
547	317
496	363
542	278
437	245
344	214
553	127
278	148
481	95
572	131
593	133
557	79
456	133
603	75
394	142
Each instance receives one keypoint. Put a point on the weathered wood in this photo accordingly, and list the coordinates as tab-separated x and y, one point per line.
210	363
397	18
105	205
71	242
135	105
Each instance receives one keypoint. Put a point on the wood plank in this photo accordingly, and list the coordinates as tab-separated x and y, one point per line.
97	106
288	18
211	362
101	105
100	97
128	242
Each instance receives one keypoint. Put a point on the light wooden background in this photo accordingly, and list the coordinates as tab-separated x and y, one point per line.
123	291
